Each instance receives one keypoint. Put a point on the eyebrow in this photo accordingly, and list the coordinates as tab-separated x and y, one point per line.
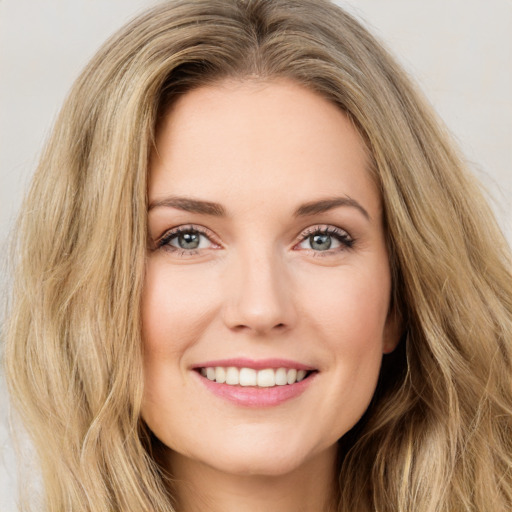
217	210
324	205
189	205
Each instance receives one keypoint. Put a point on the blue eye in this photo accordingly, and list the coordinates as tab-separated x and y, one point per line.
326	239
185	239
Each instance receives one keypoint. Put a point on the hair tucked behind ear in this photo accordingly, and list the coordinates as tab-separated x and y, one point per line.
437	436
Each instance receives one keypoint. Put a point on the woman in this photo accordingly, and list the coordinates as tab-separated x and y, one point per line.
253	273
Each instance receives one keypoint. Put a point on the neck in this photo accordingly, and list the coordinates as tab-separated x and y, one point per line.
311	487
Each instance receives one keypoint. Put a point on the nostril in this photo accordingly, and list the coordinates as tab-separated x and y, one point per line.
259	328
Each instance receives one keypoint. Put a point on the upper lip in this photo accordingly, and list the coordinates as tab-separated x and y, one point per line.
256	364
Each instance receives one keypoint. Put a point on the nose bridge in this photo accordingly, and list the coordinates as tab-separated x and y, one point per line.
258	294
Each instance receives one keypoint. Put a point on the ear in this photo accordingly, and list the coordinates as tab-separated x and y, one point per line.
392	331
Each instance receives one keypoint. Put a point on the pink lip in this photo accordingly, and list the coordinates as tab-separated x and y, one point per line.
260	364
257	397
252	396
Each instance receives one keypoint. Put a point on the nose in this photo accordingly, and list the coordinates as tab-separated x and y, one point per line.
259	294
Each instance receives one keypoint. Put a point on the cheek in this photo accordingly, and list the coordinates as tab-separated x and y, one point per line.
174	310
179	304
349	304
169	322
348	318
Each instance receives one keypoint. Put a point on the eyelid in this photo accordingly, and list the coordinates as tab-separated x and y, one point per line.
322	228
344	237
346	240
162	240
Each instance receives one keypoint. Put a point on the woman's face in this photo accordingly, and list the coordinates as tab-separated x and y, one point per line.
267	260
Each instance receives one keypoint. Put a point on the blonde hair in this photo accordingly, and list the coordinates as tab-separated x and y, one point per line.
437	436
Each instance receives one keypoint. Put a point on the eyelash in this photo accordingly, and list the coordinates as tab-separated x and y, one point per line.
164	242
346	241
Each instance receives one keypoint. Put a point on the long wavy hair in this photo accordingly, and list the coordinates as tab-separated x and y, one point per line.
438	433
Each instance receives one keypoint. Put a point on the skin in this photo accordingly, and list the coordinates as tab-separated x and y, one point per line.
258	287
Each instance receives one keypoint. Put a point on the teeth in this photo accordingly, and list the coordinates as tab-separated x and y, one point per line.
266	378
220	375
232	376
281	377
291	376
248	377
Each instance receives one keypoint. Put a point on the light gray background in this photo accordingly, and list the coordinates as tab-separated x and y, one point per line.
460	52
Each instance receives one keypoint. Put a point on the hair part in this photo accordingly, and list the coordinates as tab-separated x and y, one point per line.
437	434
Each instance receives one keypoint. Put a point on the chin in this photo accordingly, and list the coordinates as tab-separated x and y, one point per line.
261	464
262	448
250	456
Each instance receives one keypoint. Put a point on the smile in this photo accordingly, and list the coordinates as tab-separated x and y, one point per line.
255	383
265	378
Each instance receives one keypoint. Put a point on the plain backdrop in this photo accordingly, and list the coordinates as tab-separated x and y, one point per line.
459	51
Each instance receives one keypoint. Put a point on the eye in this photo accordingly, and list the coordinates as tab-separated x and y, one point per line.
186	240
325	239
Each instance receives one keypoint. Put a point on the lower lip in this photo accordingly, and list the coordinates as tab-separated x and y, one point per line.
252	396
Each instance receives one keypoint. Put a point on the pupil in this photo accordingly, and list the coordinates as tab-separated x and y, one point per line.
320	242
188	240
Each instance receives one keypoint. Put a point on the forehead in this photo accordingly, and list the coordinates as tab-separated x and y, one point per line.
240	141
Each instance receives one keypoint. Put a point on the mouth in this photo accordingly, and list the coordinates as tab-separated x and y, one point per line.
255	383
256	378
